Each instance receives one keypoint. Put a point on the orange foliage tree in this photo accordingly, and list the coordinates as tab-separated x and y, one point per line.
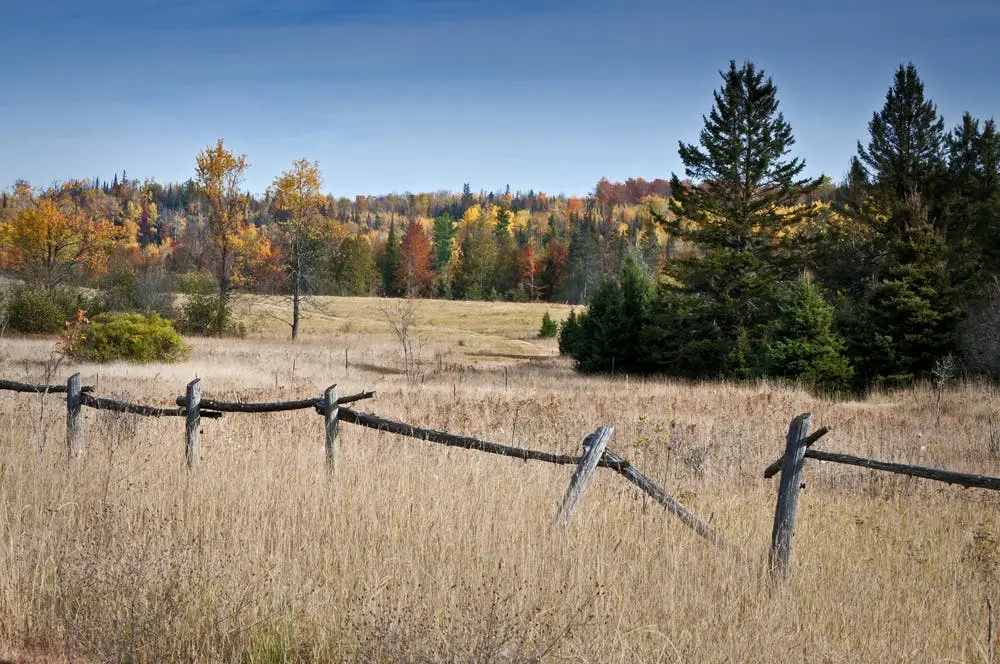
414	273
50	239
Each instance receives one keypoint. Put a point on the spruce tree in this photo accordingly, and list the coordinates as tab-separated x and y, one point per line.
905	151
390	262
801	343
906	317
742	195
974	203
607	336
444	234
585	264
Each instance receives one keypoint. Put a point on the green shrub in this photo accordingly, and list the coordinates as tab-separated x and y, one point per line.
197	283
200	315
549	327
801	343
36	311
130	336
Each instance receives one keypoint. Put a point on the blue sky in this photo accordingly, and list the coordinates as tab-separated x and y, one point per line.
427	95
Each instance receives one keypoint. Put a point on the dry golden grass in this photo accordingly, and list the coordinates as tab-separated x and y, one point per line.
422	553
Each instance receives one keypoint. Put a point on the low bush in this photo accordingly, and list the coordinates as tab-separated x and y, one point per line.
130	336
36	311
200	314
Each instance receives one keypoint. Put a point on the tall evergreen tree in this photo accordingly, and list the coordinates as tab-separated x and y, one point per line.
907	314
354	270
444	234
742	195
905	151
390	262
974	203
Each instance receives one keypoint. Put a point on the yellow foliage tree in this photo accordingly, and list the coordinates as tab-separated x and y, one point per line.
298	200
218	174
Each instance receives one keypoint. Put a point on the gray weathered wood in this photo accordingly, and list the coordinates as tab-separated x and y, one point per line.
593	449
192	447
272	407
14	386
989	630
773	469
660	495
451	440
964	479
788	495
332	422
74	417
100	403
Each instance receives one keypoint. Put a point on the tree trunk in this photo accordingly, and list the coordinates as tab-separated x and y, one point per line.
297	294
222	313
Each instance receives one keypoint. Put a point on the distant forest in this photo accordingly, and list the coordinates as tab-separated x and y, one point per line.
497	245
740	268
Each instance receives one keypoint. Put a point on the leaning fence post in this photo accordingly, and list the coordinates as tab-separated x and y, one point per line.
192	448
593	450
788	495
331	412
74	416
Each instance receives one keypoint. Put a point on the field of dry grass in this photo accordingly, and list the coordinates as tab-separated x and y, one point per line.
421	553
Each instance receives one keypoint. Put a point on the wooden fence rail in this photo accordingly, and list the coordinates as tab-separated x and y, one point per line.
948	476
272	407
798	449
99	403
14	386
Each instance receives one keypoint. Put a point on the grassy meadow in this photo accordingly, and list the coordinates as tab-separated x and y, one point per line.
422	553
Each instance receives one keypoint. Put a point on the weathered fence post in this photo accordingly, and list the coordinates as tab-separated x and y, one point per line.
593	449
74	416
788	495
192	448
331	413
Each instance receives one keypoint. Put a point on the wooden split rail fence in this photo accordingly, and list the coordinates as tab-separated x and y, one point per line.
798	448
193	407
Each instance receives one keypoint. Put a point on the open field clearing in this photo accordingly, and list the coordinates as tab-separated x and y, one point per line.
421	553
476	331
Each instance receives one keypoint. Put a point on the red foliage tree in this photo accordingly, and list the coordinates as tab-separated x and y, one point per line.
414	274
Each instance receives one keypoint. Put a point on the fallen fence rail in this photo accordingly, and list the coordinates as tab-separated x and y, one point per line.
657	493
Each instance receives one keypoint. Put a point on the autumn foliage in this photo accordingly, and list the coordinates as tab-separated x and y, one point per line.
51	238
415	273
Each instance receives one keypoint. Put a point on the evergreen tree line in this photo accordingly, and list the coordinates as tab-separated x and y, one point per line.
888	282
